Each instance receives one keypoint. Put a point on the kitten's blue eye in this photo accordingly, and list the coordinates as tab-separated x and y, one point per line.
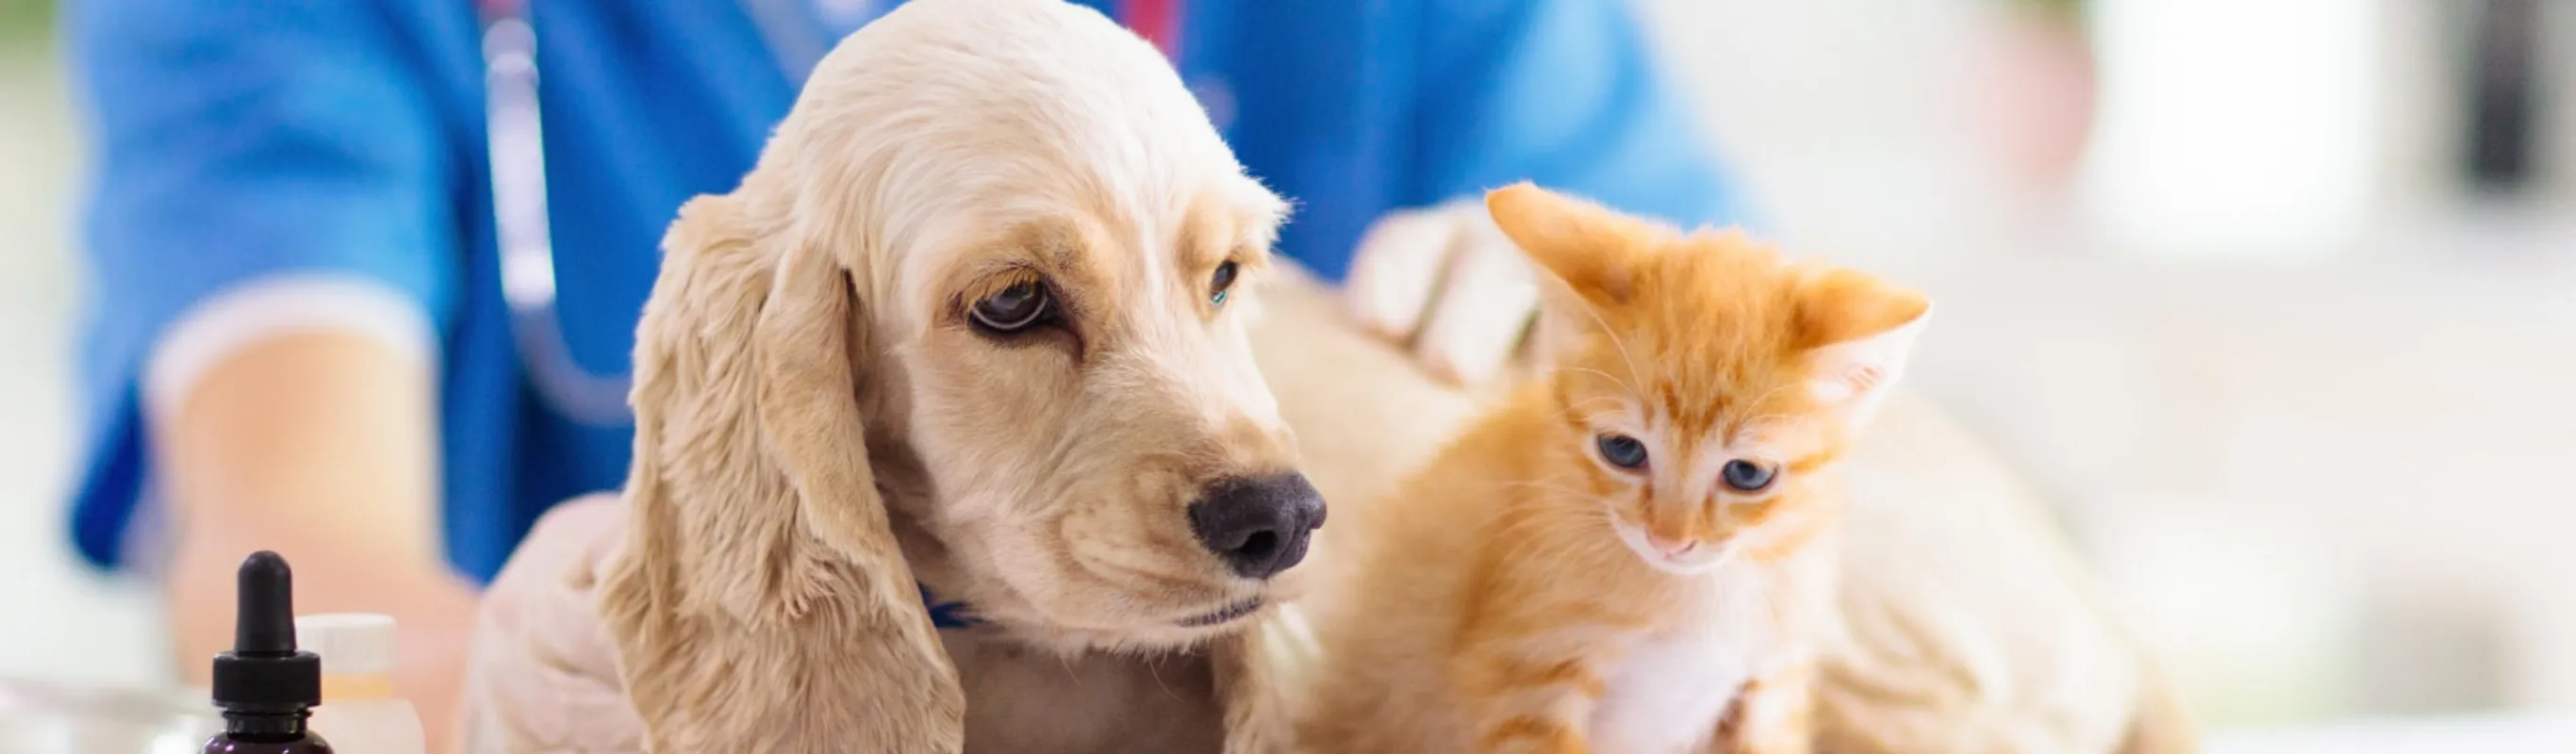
1747	476
1222	283
1621	450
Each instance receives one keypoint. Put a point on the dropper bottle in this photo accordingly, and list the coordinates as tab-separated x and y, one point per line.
265	686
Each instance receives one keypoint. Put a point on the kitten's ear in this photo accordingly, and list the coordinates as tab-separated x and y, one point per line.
1860	331
1591	248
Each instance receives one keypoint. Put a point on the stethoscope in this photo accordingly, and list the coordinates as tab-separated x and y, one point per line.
515	137
514	134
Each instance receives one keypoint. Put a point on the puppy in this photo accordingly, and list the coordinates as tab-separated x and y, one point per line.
971	331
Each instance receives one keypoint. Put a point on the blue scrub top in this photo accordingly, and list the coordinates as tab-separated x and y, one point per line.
236	140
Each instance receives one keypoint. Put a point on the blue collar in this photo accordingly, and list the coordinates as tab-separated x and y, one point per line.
946	614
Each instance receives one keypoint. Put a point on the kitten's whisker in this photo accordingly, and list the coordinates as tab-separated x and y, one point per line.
1611	399
1615	342
1755	424
1623	384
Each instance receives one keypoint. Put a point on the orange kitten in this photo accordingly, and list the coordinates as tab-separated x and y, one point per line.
1632	554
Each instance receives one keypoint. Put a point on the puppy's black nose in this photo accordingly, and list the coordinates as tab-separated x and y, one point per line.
1258	525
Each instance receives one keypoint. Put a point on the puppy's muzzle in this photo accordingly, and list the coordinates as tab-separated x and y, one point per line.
1259	526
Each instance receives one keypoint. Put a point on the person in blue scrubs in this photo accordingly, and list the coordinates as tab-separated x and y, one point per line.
297	337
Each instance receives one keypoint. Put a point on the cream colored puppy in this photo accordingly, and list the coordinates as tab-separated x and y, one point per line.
974	323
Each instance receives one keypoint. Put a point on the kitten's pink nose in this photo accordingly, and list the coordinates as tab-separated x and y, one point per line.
1672	548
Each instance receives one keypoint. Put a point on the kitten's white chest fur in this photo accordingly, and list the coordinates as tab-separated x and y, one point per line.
1673	688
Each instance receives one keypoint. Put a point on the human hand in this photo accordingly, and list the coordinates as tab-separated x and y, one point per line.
1445	281
320	445
543	672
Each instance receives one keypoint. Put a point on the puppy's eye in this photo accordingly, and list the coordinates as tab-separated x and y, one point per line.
1016	308
1221	283
1747	476
1621	450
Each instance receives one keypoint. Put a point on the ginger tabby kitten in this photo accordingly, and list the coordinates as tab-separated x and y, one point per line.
1633	553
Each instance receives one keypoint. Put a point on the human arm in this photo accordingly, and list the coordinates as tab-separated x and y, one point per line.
318	445
242	149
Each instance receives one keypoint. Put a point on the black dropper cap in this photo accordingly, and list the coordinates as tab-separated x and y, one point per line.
266	685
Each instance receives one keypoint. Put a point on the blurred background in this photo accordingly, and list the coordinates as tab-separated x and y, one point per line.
2275	299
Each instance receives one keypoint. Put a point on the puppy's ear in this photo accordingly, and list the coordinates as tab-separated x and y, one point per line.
762	603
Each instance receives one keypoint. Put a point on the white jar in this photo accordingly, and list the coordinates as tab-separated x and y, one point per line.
359	712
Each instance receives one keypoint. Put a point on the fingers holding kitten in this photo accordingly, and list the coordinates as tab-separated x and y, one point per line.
1448	283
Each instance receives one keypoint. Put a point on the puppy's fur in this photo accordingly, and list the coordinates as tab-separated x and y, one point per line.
820	425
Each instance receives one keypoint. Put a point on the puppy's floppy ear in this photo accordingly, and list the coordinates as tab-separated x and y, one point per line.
761	603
